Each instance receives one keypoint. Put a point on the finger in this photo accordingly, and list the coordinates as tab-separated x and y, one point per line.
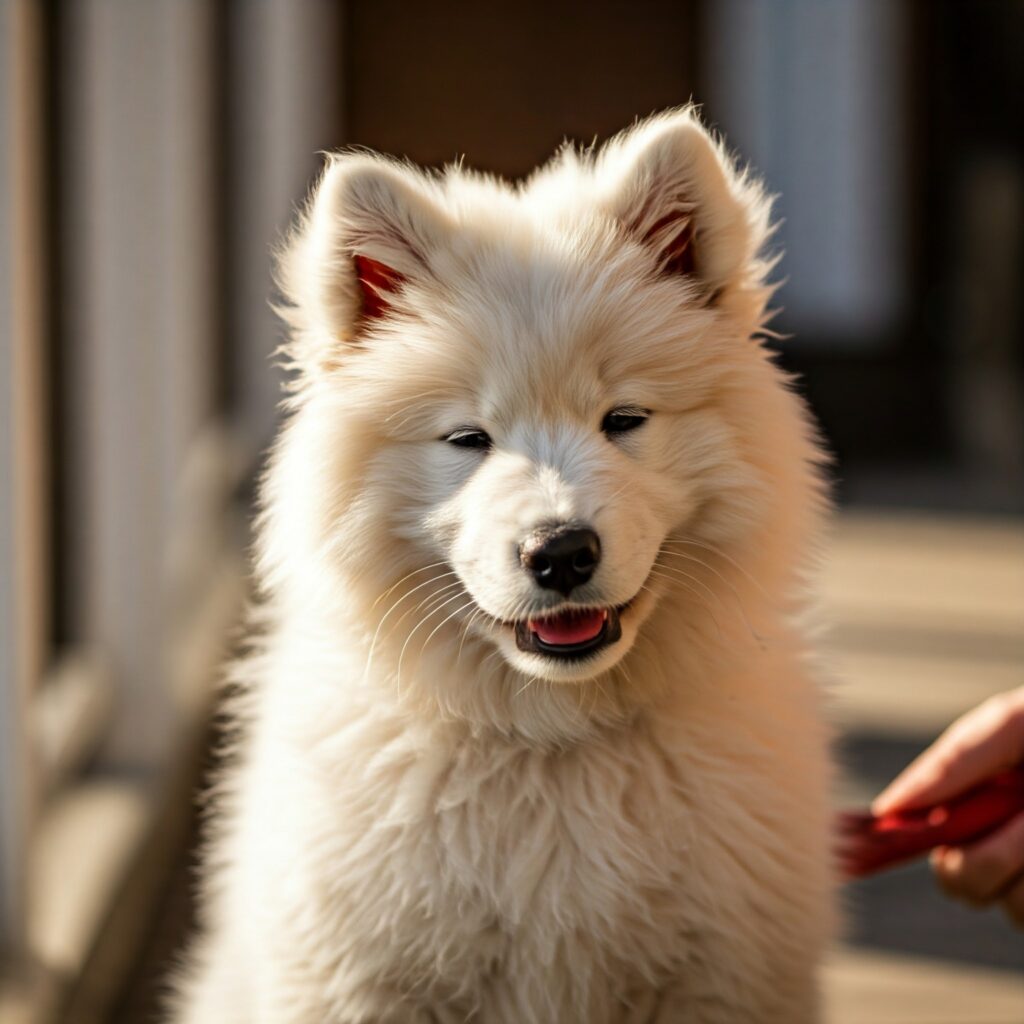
943	862
976	746
1013	902
981	871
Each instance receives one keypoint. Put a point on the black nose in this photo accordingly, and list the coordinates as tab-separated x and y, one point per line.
562	558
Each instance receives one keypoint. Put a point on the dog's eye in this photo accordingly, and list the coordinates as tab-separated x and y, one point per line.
621	421
469	437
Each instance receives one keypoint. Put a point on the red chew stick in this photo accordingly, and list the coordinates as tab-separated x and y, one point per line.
868	843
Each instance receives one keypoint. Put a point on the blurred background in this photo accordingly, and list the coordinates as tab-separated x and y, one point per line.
152	152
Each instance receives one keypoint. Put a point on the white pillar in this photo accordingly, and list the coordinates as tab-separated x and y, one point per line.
138	318
23	527
811	92
287	89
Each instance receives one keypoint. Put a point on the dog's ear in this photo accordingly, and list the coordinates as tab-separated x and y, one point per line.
370	228
672	187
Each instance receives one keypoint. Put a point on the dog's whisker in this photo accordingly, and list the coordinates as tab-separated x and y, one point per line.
695	580
408	575
414	630
601	690
530	680
615	494
716	550
431	634
413	590
424	600
413	410
430	603
465	632
728	583
490	657
625	675
387	614
696	593
422	394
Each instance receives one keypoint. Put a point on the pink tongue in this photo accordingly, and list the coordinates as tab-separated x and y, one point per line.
570	627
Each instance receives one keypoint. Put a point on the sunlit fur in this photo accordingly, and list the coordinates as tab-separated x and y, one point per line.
422	823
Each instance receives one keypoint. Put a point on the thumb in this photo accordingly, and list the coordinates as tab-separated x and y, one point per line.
976	746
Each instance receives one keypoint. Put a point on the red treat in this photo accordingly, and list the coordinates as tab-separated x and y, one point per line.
869	843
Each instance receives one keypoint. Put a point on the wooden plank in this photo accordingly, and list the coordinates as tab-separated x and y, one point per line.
929	618
927	572
886	988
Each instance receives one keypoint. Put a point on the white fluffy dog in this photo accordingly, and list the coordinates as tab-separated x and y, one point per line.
530	735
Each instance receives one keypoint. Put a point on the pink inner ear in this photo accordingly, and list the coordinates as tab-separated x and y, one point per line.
672	236
376	280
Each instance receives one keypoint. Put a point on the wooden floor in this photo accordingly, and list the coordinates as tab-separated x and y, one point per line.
929	620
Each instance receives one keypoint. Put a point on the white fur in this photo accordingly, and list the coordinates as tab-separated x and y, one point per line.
422	823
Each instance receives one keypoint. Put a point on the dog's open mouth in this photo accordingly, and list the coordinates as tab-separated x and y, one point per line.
573	633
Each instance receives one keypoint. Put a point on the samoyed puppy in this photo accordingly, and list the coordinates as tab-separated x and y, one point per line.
530	734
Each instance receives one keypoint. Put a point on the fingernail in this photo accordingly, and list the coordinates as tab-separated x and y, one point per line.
952	860
886	800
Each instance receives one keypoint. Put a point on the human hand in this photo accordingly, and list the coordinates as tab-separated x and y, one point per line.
982	742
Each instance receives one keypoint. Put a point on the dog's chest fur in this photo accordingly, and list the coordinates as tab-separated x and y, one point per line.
496	843
449	863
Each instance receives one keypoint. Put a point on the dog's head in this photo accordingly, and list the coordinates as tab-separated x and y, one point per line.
518	405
